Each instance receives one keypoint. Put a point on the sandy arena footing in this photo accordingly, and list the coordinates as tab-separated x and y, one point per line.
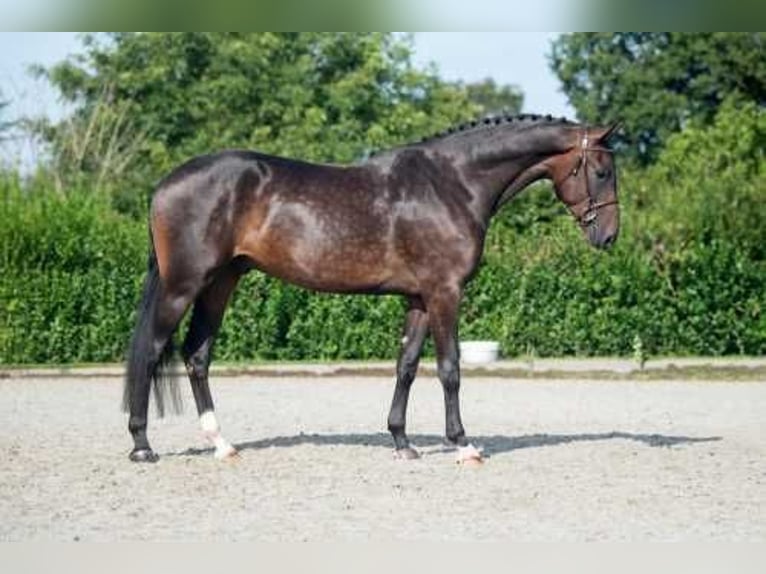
566	460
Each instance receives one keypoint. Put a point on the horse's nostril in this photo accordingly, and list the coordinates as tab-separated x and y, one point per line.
608	241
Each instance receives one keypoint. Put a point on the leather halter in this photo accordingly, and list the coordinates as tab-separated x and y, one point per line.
590	215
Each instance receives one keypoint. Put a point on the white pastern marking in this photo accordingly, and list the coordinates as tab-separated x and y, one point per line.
209	422
212	432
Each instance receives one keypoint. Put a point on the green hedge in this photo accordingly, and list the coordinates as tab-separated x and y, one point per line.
576	302
72	273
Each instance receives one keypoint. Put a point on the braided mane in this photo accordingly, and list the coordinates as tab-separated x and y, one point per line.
497	120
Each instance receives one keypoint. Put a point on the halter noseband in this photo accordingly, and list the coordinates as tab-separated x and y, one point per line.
588	217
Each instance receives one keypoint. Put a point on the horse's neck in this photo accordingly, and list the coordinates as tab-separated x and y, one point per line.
497	169
526	177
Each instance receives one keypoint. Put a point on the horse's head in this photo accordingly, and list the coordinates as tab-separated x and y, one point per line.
585	179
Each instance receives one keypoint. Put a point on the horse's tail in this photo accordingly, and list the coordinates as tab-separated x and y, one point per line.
144	366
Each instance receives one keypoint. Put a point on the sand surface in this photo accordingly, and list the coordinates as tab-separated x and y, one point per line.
566	460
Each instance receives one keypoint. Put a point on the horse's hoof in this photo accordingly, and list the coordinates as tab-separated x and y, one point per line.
143	455
469	455
407	453
227	454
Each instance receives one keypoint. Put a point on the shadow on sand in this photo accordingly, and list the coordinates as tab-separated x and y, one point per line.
492	444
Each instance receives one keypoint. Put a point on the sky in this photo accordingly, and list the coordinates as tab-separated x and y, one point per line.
517	58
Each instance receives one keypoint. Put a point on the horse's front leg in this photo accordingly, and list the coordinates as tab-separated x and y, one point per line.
443	318
415	331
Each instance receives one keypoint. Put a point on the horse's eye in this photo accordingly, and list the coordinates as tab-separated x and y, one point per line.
602	173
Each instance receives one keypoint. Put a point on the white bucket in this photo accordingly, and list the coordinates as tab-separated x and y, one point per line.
477	352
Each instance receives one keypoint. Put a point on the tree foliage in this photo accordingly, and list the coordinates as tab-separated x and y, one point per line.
707	184
5	125
656	83
494	98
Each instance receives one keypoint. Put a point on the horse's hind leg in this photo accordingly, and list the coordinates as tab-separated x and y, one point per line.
150	342
415	331
206	319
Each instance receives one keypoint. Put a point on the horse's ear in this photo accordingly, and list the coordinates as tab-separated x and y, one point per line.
603	134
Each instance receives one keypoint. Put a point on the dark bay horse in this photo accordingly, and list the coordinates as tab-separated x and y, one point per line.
409	221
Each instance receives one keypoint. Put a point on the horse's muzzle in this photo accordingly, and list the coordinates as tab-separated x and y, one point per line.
606	241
